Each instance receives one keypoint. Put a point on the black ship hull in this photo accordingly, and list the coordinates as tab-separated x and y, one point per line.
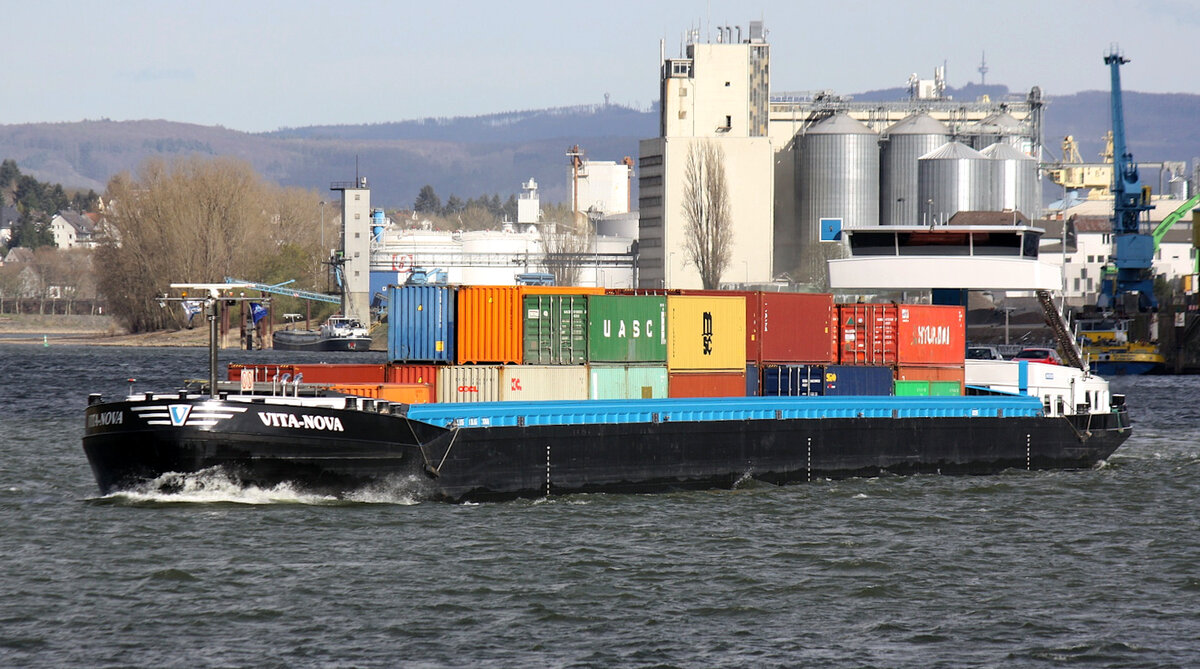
335	450
312	340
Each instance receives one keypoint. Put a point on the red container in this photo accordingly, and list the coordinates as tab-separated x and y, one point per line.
797	328
401	373
706	384
867	334
931	334
313	372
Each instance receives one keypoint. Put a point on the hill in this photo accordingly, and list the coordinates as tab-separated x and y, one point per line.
470	156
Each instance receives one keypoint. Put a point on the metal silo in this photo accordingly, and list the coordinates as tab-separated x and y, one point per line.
997	127
838	178
905	142
1016	180
953	178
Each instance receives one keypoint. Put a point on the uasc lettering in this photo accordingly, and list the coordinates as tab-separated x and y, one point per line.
305	422
636	329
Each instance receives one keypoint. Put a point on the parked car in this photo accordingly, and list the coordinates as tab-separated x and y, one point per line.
1044	355
983	353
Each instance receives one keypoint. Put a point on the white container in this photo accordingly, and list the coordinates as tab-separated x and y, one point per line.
531	383
468	383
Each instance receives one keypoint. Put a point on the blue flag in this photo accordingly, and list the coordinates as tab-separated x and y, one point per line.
257	312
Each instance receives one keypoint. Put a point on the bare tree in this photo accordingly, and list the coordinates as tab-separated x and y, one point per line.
200	220
566	246
709	231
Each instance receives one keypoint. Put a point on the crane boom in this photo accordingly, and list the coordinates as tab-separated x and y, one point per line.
1133	256
278	289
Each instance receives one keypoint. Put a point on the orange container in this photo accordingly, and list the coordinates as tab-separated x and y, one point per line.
489	324
706	384
490	320
930	334
405	393
402	373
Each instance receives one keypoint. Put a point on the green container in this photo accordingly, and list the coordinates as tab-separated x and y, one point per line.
627	382
555	329
912	388
945	388
627	328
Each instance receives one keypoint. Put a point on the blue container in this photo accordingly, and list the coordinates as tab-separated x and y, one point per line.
793	380
752	380
421	324
846	380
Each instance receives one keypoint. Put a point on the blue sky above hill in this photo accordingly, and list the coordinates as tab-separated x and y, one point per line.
259	66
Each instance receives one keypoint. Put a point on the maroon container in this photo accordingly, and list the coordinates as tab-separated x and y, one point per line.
867	334
313	372
706	384
797	328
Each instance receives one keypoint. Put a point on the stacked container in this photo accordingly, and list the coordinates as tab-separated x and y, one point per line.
627	346
706	349
932	344
529	383
468	383
868	334
555	330
490	320
421	324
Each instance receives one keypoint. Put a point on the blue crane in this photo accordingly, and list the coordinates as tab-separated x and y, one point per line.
1129	270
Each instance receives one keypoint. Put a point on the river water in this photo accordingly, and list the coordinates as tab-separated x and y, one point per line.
1088	568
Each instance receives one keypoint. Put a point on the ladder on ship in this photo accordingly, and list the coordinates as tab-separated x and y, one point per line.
1062	334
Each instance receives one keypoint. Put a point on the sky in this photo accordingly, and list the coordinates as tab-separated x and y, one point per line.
262	65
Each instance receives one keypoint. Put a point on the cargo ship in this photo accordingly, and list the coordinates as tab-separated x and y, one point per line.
337	333
666	392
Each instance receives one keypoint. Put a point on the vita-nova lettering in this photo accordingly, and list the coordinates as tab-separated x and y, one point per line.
634	329
104	418
937	335
280	419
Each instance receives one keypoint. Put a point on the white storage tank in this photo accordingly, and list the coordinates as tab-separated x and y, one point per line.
953	178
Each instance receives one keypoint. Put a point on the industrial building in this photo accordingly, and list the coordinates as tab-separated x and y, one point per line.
798	159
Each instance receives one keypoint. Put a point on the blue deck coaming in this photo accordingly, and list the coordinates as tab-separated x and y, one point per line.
591	412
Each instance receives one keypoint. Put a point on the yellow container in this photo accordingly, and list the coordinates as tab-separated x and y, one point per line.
706	333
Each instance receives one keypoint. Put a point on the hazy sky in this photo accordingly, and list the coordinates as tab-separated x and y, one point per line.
259	66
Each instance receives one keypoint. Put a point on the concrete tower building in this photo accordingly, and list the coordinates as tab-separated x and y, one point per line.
720	93
356	248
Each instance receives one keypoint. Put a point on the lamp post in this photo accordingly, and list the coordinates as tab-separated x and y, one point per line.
322	208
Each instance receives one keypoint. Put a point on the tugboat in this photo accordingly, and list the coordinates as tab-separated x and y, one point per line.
338	333
1107	348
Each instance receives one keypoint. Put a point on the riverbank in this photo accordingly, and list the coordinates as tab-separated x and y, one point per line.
89	331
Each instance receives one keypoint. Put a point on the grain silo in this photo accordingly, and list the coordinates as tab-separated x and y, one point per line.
904	142
997	127
953	178
838	178
1016	180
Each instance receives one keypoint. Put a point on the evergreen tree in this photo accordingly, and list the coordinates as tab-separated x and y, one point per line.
428	201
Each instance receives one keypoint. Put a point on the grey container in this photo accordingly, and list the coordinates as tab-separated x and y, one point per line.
905	142
1016	180
953	178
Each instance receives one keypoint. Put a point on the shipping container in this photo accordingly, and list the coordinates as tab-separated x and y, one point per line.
945	389
753	311
404	393
489	325
561	290
706	384
753	380
706	333
468	383
793	380
401	373
627	382
911	388
797	328
421	324
627	328
867	334
320	372
947	374
543	382
556	329
931	334
843	380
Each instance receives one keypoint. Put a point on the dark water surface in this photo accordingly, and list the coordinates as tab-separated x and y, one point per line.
1086	568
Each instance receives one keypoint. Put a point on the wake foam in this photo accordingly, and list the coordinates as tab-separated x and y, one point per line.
216	486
